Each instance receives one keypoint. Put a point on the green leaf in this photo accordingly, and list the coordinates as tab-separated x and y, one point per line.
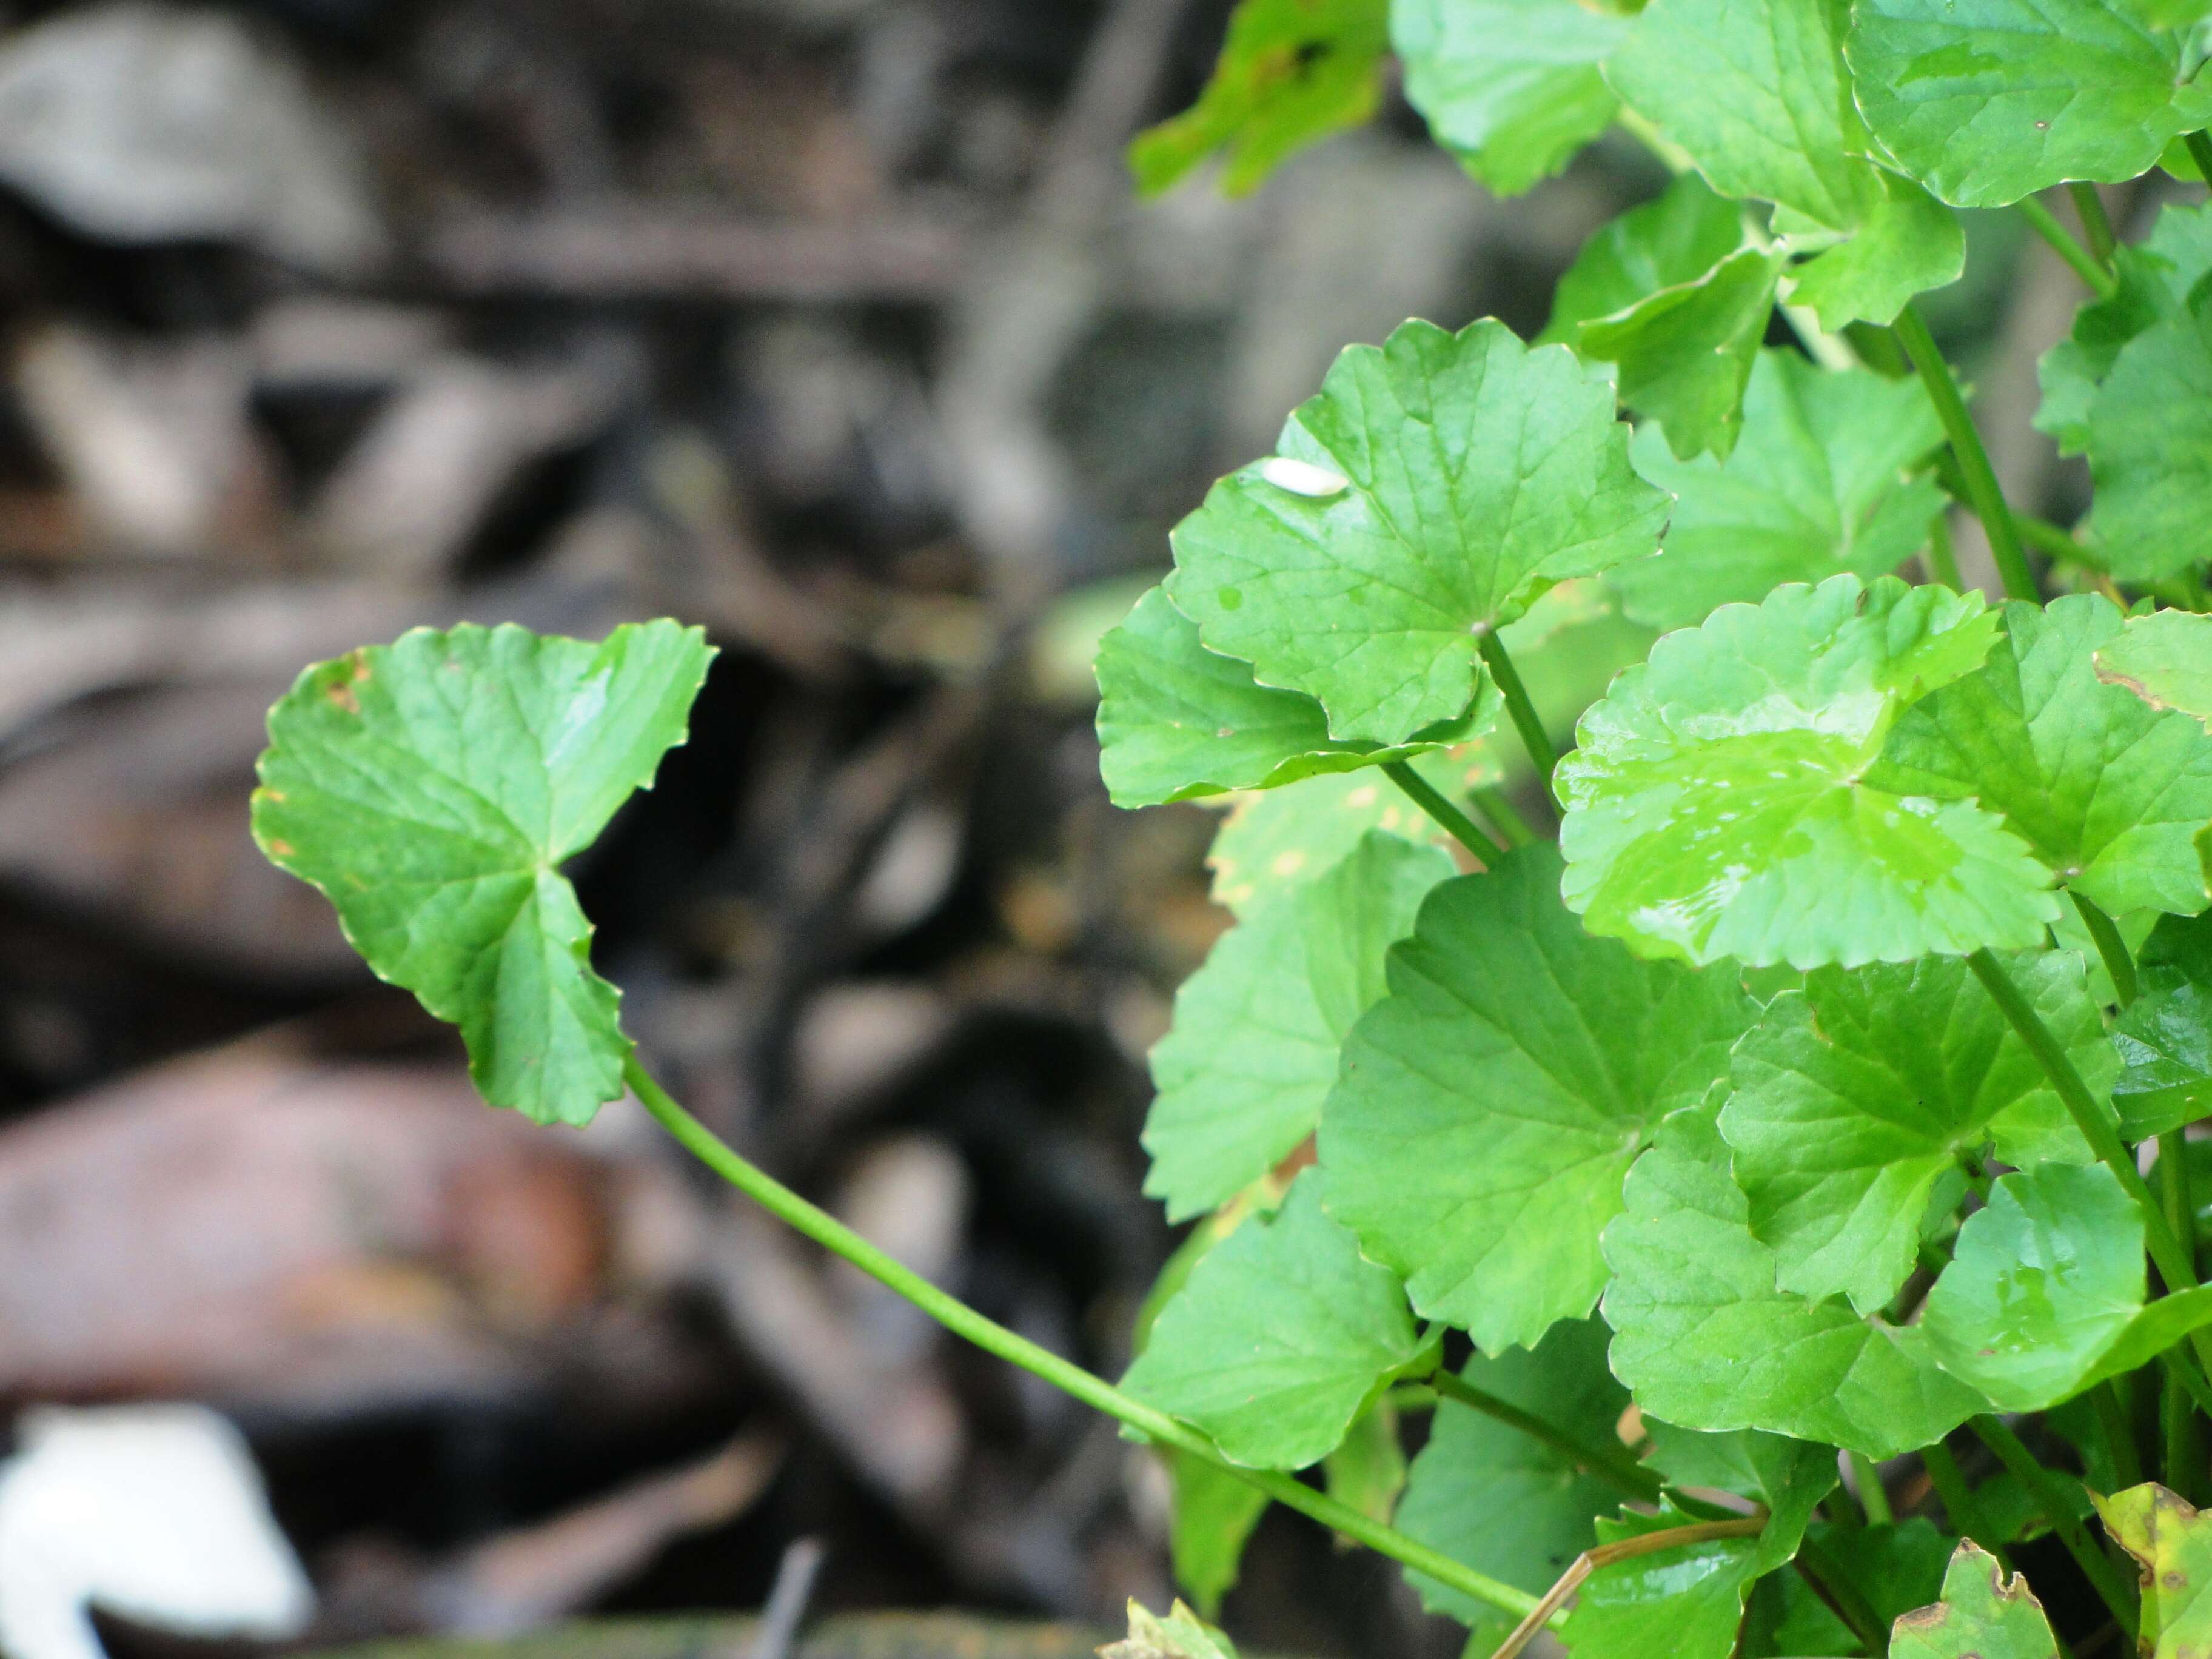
2155	278
2110	792
1717	806
1817	485
1896	1568
1178	1636
1907	243
433	788
1986	101
1500	1500
1857	1095
1214	1513
1756	91
1509	87
2164	658
1176	720
1252	1051
1687	351
1703	1339
1683	1602
1274	841
2172	1540
1789	1477
1284	1335
2043	1283
1489	1104
2149	444
1368	1470
1674	239
1290	71
1475	471
1981	1616
2165	1039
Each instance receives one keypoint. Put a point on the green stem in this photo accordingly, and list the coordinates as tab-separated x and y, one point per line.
1958	1502
1525	718
1454	823
1872	1498
2096	223
2200	151
2054	539
1616	1468
993	1338
1844	1599
1942	557
1982	491
2085	263
1504	815
2051	1496
2183	1449
2112	1411
2111	946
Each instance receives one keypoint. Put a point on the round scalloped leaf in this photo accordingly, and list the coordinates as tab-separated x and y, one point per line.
1284	1334
2109	791
2165	659
1675	238
1986	101
1176	720
2156	276
1489	1106
1475	471
1509	87
2171	1538
1253	1051
1703	1338
1681	1602
1717	805
2164	1038
1856	1097
432	789
1686	352
2149	442
1818	484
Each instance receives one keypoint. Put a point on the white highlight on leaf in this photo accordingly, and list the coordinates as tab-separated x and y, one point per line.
1303	478
154	1512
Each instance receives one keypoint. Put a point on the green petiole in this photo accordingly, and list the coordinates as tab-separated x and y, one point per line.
1983	492
1614	1467
995	1339
1454	823
2086	265
1526	721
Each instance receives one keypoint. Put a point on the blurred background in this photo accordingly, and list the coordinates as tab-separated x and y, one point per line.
833	325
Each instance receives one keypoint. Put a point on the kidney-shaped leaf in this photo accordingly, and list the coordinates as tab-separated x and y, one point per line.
1444	479
1703	1339
1253	1051
1718	806
1284	1334
2150	443
1857	1095
1986	101
2165	1039
1489	1106
432	789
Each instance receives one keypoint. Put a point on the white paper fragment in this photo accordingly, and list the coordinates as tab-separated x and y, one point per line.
155	1513
1303	478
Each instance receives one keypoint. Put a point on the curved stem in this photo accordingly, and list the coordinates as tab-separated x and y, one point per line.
2096	223
1526	721
1960	1507
2085	264
1454	823
994	1338
2050	1495
2111	946
1844	1599
1615	1467
1873	1498
1982	491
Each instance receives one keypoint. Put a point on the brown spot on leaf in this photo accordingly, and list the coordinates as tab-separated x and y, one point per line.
283	849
